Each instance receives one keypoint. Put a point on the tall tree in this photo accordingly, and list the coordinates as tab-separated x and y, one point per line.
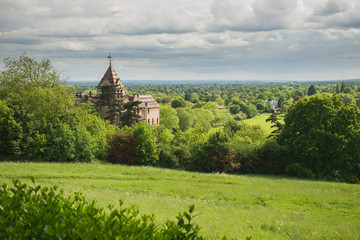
147	152
24	73
168	117
311	90
274	119
337	89
130	113
42	113
179	102
342	87
111	102
324	136
119	111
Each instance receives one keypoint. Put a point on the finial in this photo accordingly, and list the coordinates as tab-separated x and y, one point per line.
109	57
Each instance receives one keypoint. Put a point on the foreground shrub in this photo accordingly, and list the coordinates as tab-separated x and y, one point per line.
44	213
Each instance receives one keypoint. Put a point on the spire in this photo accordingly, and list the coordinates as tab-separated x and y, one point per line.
109	57
110	76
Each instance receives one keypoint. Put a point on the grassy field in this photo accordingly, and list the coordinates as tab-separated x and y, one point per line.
261	120
263	207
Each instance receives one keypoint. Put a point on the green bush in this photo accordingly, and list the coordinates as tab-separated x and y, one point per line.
44	213
215	155
297	170
167	158
122	149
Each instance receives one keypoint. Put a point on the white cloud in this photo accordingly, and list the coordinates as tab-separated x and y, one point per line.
329	35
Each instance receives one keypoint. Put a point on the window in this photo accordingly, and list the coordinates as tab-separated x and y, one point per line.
152	121
157	121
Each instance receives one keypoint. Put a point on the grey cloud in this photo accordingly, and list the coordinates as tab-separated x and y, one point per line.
207	36
246	15
336	13
332	7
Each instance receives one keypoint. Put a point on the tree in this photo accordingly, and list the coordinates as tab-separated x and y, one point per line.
168	117
203	119
147	152
122	149
342	86
10	131
220	101
194	98
215	155
112	103
311	90
187	95
337	89
234	109
346	98
250	110
117	110
260	105
323	136
186	119
277	124
43	121
130	113
179	102
27	72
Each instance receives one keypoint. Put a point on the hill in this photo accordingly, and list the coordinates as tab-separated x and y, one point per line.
235	206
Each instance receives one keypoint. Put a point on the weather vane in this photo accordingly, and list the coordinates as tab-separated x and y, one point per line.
110	57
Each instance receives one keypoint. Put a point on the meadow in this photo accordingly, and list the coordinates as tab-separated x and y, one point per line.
261	121
238	206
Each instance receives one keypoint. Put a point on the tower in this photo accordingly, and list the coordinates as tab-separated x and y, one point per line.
110	78
111	94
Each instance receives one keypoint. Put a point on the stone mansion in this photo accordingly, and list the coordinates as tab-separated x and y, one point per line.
149	107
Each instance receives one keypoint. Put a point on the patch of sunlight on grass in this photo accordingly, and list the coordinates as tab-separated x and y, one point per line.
261	120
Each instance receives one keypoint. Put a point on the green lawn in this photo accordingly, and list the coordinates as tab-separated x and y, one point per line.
261	120
264	207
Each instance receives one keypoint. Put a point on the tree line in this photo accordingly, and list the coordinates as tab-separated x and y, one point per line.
201	127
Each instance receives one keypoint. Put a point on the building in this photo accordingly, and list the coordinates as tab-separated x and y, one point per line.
150	109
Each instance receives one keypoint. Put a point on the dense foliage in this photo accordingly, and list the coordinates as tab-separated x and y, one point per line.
323	137
134	145
45	213
202	136
40	119
201	125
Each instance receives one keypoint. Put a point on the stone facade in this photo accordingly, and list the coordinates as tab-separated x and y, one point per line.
150	109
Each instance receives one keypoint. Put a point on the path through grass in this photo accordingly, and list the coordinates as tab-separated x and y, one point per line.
263	207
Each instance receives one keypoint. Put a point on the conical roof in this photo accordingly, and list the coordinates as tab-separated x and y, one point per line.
111	76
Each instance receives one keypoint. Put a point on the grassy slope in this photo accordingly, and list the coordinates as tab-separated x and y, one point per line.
237	206
261	120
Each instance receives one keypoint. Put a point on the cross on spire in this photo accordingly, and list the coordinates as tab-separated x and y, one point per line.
109	57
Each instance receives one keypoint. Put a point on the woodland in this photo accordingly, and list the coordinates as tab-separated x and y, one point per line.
315	134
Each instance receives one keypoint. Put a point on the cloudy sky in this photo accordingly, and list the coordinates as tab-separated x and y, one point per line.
188	39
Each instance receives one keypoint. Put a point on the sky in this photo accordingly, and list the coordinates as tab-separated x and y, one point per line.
187	39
